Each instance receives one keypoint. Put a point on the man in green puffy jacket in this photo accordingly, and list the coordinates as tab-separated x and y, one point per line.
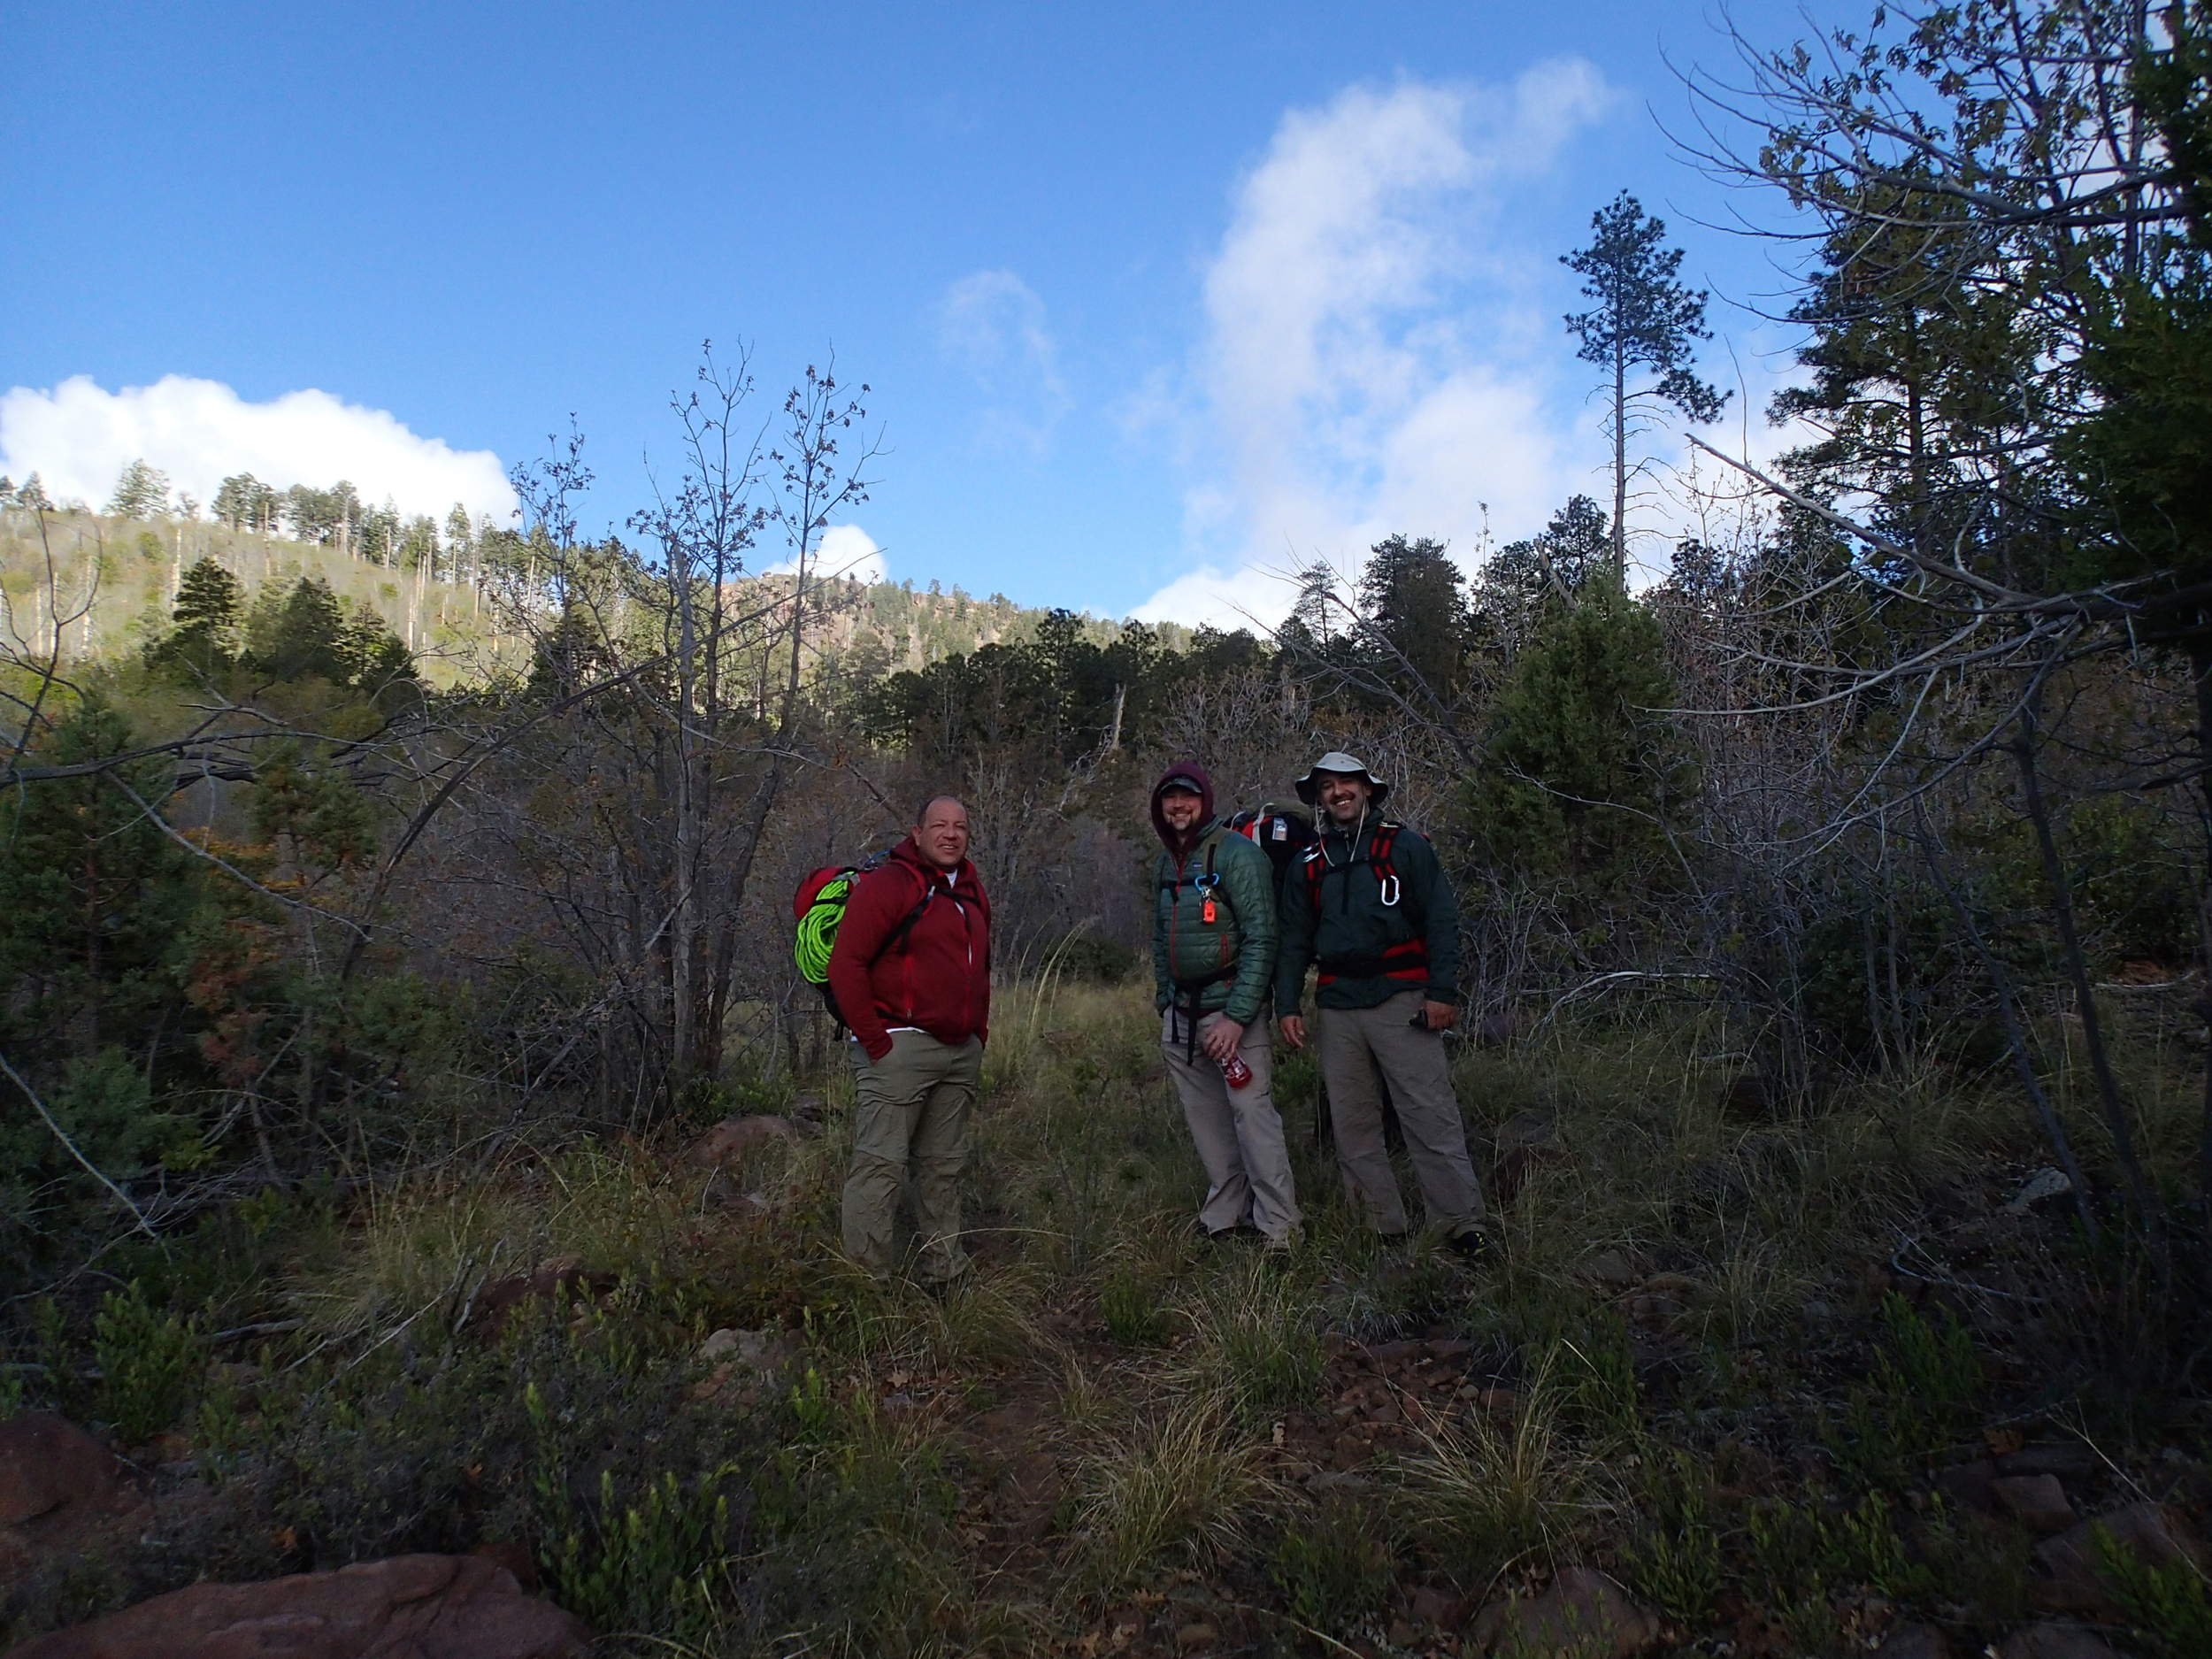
1370	905
1213	963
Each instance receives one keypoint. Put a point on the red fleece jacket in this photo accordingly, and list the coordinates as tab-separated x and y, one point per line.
940	978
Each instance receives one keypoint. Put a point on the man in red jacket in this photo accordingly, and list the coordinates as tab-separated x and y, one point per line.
911	973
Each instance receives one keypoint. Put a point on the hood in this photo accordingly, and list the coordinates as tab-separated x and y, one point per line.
910	854
1191	772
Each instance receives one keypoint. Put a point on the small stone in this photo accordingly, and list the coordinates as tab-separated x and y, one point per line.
1499	1403
1439	1610
1967	1485
2054	1641
1654	1310
2068	1462
1402	1634
718	1344
2042	1187
1609	1268
712	1383
2037	1501
1914	1641
1584	1613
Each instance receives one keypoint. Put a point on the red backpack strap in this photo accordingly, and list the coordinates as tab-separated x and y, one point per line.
1378	848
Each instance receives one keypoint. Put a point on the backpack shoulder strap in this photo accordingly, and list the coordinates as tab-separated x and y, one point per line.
898	935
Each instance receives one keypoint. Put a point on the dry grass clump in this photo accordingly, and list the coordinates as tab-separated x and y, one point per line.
1177	1484
421	1253
1491	1497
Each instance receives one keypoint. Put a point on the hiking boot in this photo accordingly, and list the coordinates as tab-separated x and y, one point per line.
1470	1245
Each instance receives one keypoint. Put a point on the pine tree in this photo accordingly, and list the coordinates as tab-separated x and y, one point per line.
206	637
141	492
1643	326
1415	607
1582	761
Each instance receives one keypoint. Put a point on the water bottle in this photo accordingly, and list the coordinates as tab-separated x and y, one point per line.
1235	1072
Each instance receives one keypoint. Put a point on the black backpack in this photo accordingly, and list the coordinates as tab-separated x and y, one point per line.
1283	836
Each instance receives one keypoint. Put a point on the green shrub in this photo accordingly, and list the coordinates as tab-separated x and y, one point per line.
147	1363
659	1568
1597	1379
1131	1309
1333	1569
1271	1361
1676	1559
2167	1607
1926	1379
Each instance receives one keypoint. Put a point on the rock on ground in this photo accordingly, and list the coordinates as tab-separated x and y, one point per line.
2037	1501
1584	1613
408	1606
2078	1583
736	1138
47	1464
2054	1641
1914	1641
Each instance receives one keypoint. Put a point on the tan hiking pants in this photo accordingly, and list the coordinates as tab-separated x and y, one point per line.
1356	1045
911	1107
1237	1133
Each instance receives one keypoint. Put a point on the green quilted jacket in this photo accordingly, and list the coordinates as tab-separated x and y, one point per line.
1229	962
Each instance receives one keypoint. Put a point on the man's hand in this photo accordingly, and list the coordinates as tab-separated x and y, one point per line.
1219	1037
1439	1015
1293	1032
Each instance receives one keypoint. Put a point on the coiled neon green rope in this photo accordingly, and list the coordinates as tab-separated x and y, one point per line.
817	931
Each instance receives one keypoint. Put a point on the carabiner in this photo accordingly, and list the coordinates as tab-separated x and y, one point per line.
1389	891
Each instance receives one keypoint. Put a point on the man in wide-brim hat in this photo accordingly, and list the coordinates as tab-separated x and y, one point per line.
1370	905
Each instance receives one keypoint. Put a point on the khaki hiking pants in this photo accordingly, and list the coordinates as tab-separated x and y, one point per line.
1355	1045
911	1107
1237	1133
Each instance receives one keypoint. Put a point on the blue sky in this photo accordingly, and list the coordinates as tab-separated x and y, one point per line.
1150	297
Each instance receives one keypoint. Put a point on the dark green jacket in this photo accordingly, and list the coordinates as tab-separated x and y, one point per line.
1240	939
1353	933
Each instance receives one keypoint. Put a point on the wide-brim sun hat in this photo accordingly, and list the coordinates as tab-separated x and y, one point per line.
1351	765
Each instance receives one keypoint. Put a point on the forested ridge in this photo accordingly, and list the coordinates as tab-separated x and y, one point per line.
389	907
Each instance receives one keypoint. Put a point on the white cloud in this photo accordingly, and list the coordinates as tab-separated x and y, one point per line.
1377	356
845	550
79	438
992	324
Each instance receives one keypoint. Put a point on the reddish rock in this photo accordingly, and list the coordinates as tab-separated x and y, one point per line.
409	1607
2072	1462
517	1558
2054	1641
2077	1567
1969	1485
1439	1609
47	1464
2037	1501
737	1138
1914	1641
499	1297
1584	1614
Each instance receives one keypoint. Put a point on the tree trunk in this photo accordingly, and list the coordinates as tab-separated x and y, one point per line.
1620	460
2077	972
